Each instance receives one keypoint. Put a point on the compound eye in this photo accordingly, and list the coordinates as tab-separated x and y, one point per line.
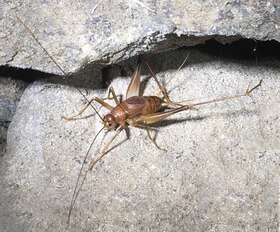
109	121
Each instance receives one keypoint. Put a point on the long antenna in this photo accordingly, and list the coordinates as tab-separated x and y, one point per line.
76	189
58	66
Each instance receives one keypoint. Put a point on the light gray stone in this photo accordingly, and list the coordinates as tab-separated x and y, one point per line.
10	93
79	32
221	171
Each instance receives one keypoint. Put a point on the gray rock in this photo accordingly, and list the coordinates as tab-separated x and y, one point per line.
221	171
75	33
10	93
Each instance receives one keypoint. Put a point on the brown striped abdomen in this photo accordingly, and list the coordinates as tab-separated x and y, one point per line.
136	106
152	105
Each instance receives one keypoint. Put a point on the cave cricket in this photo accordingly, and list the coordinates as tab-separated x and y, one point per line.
135	110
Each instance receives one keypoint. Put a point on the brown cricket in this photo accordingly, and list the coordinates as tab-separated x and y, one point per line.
138	111
135	110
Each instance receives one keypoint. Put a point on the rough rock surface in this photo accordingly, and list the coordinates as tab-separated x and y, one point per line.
10	93
221	171
78	32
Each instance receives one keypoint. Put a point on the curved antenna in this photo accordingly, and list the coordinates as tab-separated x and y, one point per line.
76	189
53	60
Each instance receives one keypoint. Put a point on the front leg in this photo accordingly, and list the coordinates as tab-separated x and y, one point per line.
79	114
104	150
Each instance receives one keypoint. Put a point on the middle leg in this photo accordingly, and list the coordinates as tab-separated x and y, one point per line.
153	139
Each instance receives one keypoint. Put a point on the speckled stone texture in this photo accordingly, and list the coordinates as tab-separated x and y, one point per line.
221	171
10	93
89	32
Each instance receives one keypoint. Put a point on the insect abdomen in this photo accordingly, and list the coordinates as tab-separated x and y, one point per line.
152	105
136	106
